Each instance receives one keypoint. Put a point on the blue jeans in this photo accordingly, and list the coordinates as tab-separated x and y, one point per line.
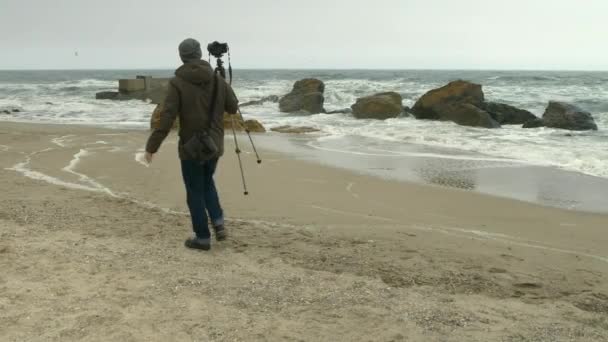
202	196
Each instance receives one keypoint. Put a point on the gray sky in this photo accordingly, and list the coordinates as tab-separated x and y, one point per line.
402	34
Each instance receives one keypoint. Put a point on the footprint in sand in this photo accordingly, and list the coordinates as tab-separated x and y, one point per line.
528	286
511	257
497	270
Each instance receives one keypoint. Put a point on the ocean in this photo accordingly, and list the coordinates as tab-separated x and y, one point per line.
68	97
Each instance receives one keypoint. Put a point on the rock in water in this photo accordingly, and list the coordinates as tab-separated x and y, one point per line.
306	95
566	116
459	101
271	98
294	130
380	106
534	123
467	114
254	126
107	95
508	115
240	125
228	121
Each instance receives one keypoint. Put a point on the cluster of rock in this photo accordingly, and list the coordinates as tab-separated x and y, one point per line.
460	101
239	124
10	110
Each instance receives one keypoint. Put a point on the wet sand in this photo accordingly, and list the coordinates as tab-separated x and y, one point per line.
91	250
452	168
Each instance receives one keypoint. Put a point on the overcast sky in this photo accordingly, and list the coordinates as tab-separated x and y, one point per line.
400	34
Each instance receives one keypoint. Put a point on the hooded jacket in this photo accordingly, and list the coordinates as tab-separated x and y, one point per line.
189	97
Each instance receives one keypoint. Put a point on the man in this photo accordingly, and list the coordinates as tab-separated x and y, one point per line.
190	97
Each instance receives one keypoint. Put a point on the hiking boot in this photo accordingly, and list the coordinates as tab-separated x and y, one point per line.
196	243
220	233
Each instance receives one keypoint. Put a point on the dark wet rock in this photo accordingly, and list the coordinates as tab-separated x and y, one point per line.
534	123
505	114
432	105
379	106
107	95
566	116
16	111
306	95
294	130
254	126
271	98
467	114
341	111
459	101
6	112
240	125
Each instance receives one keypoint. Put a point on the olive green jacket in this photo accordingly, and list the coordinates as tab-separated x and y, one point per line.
189	97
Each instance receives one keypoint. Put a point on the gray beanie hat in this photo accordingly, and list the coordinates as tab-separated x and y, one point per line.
190	50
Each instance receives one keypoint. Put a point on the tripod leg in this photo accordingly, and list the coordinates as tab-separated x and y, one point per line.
238	155
250	139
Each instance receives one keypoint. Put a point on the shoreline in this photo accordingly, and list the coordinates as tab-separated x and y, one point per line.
315	253
544	185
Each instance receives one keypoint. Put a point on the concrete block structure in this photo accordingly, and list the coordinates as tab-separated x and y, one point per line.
131	85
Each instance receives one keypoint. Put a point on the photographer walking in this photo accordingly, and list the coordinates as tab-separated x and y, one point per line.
199	97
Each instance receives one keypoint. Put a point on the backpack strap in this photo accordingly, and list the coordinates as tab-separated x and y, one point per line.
213	100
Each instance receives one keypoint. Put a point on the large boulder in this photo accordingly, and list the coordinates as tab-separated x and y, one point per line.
306	96
567	116
505	114
431	105
240	125
254	126
467	114
459	101
380	106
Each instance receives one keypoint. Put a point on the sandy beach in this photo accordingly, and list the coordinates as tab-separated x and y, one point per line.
91	249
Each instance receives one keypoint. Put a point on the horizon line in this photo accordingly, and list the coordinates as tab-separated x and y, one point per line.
321	69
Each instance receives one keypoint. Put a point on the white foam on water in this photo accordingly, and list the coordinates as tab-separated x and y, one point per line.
100	142
24	169
4	148
73	102
61	141
71	168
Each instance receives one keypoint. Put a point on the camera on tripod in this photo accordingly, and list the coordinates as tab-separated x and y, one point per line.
217	49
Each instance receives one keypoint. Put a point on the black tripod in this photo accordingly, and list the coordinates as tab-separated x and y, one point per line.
221	71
